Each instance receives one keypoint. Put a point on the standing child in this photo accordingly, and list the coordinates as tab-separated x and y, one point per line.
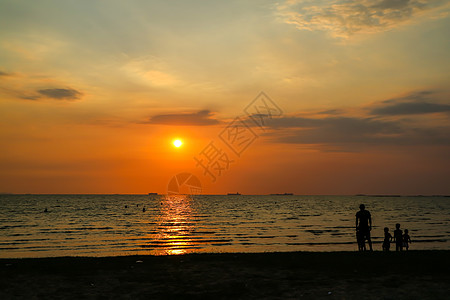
398	238
387	239
406	240
360	240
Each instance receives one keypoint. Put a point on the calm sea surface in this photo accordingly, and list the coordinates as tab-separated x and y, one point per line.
103	225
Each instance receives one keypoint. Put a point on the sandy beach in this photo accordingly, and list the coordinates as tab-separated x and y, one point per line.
294	275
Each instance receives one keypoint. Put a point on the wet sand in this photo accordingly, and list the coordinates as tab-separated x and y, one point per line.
295	275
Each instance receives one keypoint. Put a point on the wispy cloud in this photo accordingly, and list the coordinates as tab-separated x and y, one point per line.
26	86
343	18
422	102
411	108
60	94
334	129
380	124
200	118
350	133
4	74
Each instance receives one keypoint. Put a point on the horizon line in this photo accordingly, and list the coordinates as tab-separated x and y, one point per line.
272	194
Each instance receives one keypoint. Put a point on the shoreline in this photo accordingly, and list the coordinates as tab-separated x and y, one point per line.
416	274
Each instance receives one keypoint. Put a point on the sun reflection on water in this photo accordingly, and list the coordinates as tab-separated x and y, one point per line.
175	223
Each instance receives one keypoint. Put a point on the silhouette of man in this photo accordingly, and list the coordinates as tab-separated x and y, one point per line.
364	225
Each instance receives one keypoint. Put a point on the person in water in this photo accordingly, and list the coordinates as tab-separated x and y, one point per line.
364	225
387	240
398	238
406	240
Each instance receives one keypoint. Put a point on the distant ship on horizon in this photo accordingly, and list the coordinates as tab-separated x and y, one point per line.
237	193
153	194
383	195
285	194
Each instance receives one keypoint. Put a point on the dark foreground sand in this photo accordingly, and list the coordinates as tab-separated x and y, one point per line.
295	275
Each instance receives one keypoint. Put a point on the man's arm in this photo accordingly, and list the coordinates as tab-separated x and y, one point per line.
356	224
370	222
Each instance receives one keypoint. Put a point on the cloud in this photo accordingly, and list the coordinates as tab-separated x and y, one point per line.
379	125
343	18
331	112
61	94
422	102
30	97
334	129
23	86
350	133
200	118
411	108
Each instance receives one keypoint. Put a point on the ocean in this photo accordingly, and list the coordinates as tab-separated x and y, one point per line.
110	225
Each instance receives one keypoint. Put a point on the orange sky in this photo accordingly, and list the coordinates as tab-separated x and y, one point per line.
92	95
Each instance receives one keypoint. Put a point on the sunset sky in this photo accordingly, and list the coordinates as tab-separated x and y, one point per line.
93	93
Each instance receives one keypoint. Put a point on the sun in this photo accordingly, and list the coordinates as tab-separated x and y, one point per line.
177	143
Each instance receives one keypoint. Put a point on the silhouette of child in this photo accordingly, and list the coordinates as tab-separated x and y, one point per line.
387	239
398	238
406	240
360	240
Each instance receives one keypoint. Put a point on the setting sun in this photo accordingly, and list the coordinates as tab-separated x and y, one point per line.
177	143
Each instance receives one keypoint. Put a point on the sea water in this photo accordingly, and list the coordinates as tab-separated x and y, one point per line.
104	225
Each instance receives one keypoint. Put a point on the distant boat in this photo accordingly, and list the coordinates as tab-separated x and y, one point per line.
361	195
153	194
285	194
229	194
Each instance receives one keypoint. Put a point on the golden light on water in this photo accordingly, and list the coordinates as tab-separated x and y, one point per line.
175	224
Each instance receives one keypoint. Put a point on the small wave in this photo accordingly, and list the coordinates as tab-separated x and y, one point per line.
12	244
18	226
319	232
310	215
58	231
320	243
172	241
20	234
30	240
175	224
92	228
341	227
260	236
171	246
430	241
203	232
